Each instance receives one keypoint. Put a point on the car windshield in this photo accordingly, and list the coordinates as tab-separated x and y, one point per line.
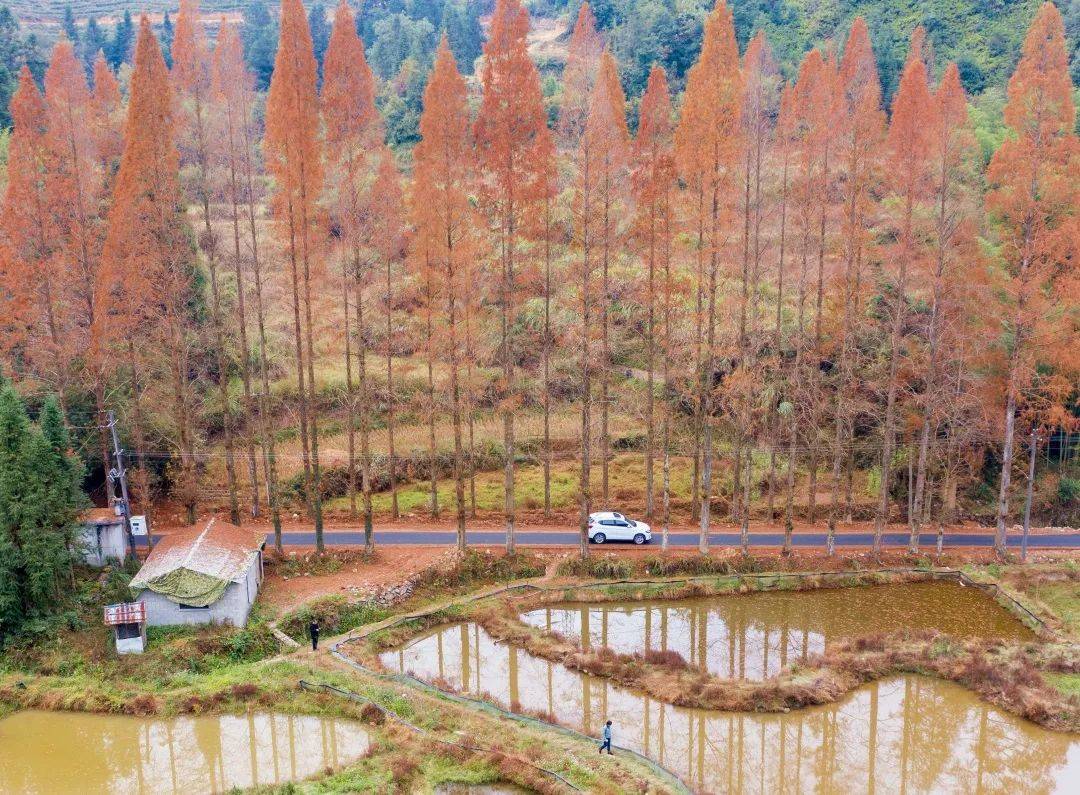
632	522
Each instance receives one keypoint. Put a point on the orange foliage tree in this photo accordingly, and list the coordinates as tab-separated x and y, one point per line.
75	186
708	142
907	153
446	226
147	259
654	189
293	154
191	81
514	150
32	276
353	129
579	76
1033	179
861	123
234	142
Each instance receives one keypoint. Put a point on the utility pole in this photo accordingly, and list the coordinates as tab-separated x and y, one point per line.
1030	488
119	472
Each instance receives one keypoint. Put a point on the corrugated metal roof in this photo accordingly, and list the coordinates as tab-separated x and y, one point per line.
219	551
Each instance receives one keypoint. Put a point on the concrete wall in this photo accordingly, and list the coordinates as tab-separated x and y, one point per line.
232	608
100	543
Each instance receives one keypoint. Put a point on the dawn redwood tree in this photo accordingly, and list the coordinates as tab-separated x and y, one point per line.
445	222
1032	200
233	92
293	154
388	241
759	105
603	157
808	128
191	81
654	189
75	191
708	142
33	275
353	129
951	269
579	77
609	140
147	258
814	103
783	149
861	123
907	158
514	152
108	119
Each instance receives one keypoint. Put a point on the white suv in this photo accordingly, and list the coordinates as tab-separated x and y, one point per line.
611	526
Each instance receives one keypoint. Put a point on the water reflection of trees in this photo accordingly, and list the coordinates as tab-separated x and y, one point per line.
756	636
59	752
910	734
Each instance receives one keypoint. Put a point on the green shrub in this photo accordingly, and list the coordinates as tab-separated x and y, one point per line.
335	615
601	568
690	566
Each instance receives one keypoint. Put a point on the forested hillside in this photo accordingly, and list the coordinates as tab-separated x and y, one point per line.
370	279
983	38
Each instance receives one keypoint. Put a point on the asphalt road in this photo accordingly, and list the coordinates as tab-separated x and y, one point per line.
352	538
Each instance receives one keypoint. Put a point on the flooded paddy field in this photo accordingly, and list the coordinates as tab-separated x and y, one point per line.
905	733
754	636
56	753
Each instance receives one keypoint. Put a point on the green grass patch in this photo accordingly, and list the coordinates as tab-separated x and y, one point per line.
1068	684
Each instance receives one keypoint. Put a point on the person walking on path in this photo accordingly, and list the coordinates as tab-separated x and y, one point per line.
313	630
607	738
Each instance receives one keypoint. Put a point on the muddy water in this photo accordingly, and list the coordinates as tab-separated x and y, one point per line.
754	636
56	753
910	734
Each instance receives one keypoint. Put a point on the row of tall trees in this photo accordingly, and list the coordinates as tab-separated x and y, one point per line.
815	282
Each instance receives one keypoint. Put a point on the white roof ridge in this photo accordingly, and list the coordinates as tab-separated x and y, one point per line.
196	544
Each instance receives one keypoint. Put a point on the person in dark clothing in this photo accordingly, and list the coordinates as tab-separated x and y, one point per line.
313	630
607	738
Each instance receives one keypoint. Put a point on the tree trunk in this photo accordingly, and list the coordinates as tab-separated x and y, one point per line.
508	379
365	409
433	474
706	398
391	398
350	392
455	403
650	387
889	425
547	357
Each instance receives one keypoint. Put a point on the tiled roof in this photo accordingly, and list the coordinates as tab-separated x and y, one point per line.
218	550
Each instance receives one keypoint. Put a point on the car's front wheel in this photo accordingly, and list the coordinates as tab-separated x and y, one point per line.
599	538
639	539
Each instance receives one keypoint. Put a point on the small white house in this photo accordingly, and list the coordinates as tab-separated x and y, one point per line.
102	537
207	575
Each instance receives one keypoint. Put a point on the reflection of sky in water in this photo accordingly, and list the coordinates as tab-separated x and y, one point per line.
754	636
909	733
55	753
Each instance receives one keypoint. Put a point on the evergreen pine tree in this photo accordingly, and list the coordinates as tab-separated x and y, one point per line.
166	36
320	33
119	49
93	42
71	29
14	431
